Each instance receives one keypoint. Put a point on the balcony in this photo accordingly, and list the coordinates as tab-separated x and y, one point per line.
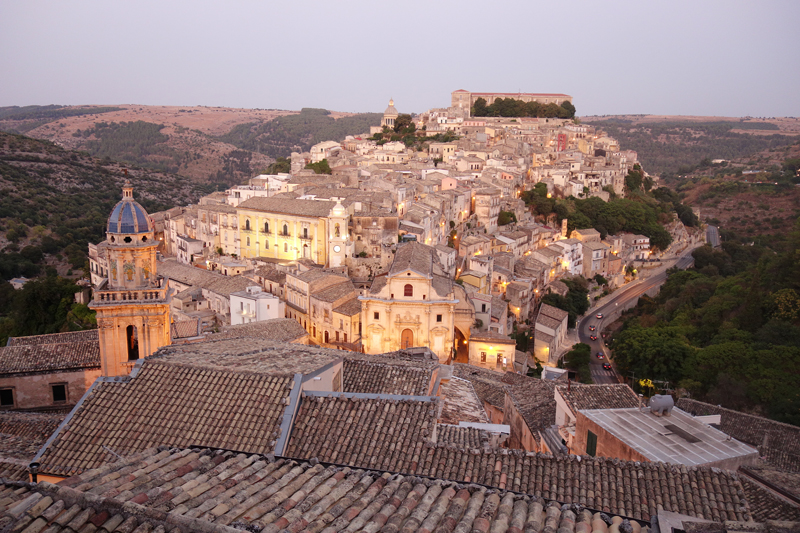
306	237
130	296
246	231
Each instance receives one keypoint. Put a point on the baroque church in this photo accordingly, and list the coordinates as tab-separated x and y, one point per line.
132	305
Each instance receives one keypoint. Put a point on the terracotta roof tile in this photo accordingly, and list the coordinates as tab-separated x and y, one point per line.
49	357
22	434
605	396
172	404
383	375
55	338
783	440
461	403
369	433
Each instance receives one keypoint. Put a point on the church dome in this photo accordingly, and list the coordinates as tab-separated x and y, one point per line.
391	111
128	216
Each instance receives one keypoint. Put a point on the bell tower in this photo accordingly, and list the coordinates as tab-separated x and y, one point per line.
133	315
339	245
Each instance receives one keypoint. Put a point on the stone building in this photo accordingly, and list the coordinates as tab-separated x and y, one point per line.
462	99
415	304
389	116
290	229
132	304
48	371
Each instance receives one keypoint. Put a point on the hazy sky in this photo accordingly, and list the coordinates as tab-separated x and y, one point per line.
727	58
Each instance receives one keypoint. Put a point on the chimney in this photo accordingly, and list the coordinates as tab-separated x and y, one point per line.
640	402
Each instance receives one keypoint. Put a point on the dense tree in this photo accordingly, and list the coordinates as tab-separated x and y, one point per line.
506	217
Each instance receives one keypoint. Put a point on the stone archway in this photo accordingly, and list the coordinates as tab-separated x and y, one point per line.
461	347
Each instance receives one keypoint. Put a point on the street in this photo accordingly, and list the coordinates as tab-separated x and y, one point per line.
622	296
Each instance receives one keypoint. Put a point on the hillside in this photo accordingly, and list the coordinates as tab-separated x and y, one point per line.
215	145
746	197
54	201
675	145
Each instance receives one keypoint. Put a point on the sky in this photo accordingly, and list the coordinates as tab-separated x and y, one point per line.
720	58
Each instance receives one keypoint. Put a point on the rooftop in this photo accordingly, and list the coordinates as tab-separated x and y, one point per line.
275	330
173	404
605	396
677	439
289	206
377	374
55	338
216	491
21	358
461	403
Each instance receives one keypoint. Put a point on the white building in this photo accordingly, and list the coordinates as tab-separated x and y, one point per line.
255	305
188	249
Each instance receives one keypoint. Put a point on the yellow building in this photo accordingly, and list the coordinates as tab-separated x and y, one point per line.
133	311
415	304
291	229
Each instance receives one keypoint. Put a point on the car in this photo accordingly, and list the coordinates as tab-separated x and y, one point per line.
599	315
592	328
606	366
593	337
601	355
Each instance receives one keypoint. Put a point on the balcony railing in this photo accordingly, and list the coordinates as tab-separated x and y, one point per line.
139	295
306	237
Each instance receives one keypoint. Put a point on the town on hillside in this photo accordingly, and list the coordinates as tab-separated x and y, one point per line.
372	339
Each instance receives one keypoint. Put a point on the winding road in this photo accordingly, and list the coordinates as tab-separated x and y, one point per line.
621	297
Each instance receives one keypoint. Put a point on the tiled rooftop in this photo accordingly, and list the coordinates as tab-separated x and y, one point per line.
534	399
289	206
461	403
21	436
349	308
553	312
383	375
368	433
488	385
49	357
169	403
249	354
464	437
766	505
606	396
335	292
275	330
216	491
783	440
88	335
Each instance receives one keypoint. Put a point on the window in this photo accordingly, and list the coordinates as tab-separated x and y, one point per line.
337	336
438	318
483	308
483	357
305	233
59	392
376	315
247	224
285	247
285	229
6	397
591	443
408	290
345	337
266	227
248	241
266	245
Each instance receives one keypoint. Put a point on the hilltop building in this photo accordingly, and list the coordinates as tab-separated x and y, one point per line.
462	99
132	304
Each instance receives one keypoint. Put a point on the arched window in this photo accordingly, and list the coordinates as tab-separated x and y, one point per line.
132	342
247	224
266	227
285	229
248	241
285	247
408	290
266	245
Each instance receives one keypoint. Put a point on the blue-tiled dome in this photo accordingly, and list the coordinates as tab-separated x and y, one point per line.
128	216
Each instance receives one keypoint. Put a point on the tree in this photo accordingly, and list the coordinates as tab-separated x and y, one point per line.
479	108
506	217
569	109
404	124
321	167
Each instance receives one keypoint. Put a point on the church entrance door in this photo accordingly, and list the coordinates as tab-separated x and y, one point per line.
406	339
